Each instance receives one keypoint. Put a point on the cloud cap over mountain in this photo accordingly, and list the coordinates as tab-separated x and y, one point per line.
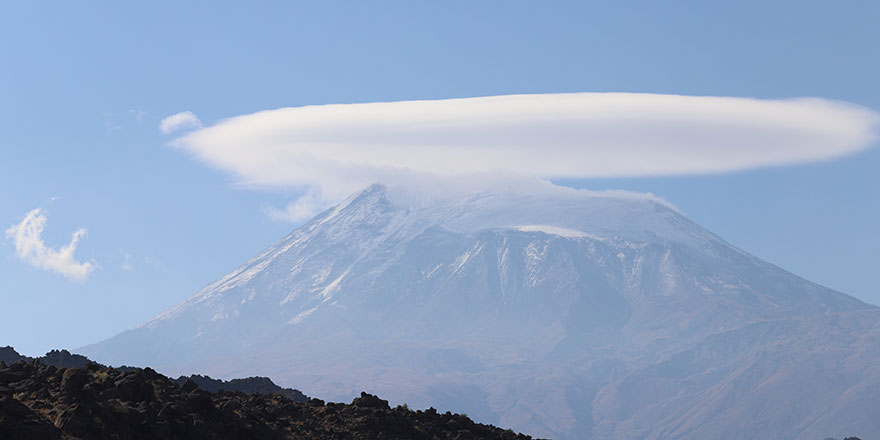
336	149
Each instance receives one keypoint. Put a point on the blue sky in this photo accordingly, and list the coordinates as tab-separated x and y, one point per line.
83	89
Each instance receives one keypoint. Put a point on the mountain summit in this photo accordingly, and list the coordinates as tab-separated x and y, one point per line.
567	314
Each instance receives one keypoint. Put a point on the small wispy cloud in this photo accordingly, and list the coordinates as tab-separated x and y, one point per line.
30	248
119	121
137	114
301	209
126	261
156	263
179	121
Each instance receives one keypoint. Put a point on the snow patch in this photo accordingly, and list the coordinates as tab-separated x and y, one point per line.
321	276
555	230
330	288
465	257
433	271
298	318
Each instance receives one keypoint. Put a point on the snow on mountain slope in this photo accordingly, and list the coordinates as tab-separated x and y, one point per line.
570	315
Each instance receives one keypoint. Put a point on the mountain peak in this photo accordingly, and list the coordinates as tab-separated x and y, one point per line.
610	214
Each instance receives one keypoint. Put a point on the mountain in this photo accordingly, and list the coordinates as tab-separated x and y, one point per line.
565	314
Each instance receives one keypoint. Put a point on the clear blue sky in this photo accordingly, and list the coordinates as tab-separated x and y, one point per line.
83	87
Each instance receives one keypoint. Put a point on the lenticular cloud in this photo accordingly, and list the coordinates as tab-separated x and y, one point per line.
336	149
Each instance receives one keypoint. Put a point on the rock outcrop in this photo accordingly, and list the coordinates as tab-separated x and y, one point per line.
249	385
56	358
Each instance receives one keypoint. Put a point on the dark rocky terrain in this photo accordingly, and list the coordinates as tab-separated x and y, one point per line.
250	385
42	401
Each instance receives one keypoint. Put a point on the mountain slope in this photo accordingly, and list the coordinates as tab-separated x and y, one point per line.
565	314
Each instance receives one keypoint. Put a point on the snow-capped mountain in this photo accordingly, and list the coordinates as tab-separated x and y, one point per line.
566	314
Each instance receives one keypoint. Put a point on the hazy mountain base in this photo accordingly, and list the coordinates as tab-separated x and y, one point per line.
39	401
818	375
571	317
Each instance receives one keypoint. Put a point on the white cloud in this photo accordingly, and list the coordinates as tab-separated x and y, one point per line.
30	248
333	150
301	209
179	121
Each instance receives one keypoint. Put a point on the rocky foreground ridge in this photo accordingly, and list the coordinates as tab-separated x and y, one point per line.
249	385
92	401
